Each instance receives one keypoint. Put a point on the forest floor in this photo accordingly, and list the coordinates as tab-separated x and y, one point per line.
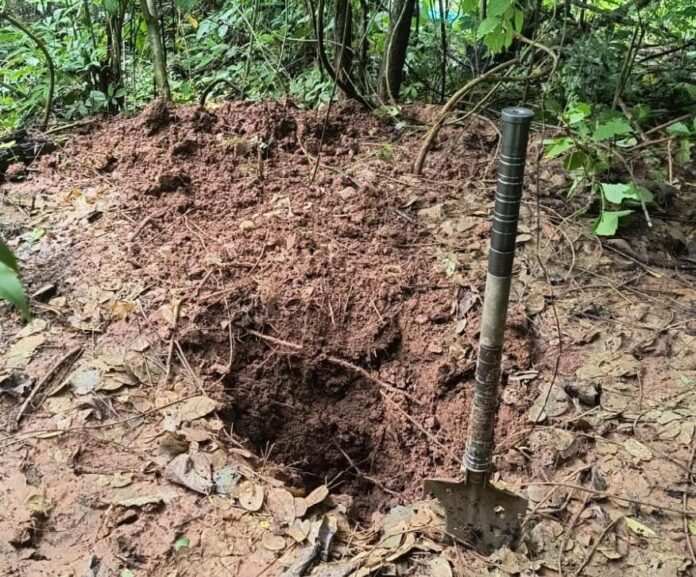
237	369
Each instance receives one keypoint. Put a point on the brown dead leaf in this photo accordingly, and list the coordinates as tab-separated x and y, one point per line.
281	504
250	495
23	350
299	530
316	496
273	542
120	310
638	450
191	471
196	408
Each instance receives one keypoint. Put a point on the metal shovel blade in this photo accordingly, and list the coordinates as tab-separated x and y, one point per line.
479	513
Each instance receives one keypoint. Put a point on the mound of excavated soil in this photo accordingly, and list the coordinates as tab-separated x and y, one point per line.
340	314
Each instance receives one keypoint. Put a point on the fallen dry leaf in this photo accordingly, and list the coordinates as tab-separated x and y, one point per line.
250	496
281	504
191	471
23	350
638	450
273	542
196	407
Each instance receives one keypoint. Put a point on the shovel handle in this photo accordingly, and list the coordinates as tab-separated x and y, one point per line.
513	152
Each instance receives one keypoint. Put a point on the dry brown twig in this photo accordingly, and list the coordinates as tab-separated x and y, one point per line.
607	495
21	437
597	543
45	380
685	502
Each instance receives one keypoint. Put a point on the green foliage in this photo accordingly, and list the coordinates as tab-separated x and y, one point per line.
589	153
498	29
11	288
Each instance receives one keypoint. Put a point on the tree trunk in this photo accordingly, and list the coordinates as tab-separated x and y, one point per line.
343	36
395	52
149	9
114	50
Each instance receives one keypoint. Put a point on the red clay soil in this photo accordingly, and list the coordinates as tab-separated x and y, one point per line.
314	303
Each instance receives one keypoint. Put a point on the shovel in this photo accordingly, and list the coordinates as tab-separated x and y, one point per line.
477	512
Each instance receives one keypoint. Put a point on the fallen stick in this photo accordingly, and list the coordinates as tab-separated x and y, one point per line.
607	495
44	380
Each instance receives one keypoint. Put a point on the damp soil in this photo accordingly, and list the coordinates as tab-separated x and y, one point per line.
340	320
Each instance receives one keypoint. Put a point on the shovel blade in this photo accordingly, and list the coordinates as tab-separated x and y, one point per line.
479	513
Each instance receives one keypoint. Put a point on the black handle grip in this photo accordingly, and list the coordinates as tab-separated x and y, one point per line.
513	153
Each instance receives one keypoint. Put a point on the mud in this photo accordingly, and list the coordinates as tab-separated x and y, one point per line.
326	307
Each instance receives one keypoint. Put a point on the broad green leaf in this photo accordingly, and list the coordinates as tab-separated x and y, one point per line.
7	257
11	290
612	128
498	7
615	193
640	193
608	223
678	129
519	20
692	527
575	160
577	113
685	380
487	26
558	147
638	528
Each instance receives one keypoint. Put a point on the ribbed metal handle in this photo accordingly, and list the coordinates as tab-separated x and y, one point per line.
508	195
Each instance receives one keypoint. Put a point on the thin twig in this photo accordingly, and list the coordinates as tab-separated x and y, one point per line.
685	501
569	531
39	432
598	542
45	380
607	495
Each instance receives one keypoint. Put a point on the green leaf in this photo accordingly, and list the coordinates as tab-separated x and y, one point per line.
612	128
7	257
618	193
498	7
692	527
638	528
487	26
11	290
577	113
558	146
519	20
126	573
678	129
683	154
181	543
685	380
615	193
608	223
641	194
575	160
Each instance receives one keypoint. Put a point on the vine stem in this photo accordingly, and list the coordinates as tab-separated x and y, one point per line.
449	106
